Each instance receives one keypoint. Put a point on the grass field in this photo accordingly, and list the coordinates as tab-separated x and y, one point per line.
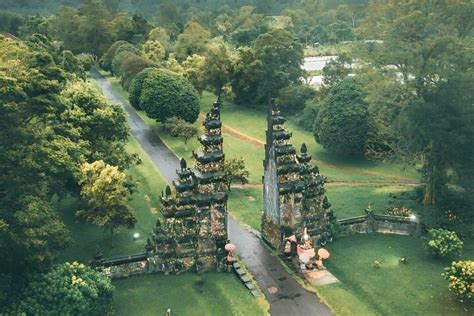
186	294
415	288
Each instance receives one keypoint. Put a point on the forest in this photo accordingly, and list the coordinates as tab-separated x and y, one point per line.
397	90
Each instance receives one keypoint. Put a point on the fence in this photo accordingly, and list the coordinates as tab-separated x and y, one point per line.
377	223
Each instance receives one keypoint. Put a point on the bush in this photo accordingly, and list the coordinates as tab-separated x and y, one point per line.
106	60
293	98
342	125
135	88
166	94
180	128
461	279
399	211
442	243
86	61
306	118
119	59
69	289
130	67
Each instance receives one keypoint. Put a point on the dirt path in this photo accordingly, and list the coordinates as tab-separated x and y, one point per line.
226	129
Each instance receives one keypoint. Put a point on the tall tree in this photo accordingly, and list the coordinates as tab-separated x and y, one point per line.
426	54
105	189
282	57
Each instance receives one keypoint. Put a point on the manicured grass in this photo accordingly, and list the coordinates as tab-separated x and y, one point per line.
246	205
416	288
86	237
186	294
252	121
351	200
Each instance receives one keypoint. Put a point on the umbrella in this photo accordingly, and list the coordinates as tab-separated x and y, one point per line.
323	253
229	247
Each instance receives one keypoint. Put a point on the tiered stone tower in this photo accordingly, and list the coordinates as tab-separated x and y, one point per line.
293	189
194	231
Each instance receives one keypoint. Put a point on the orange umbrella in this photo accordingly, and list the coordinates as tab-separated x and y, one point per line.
323	253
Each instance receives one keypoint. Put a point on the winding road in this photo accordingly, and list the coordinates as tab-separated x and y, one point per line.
285	295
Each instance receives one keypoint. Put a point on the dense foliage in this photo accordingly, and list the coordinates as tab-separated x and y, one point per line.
68	289
165	94
342	124
442	243
135	89
106	190
461	279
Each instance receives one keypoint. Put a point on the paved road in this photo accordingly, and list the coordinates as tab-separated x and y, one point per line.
285	295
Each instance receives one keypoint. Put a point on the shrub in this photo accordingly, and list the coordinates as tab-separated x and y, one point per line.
68	289
399	211
293	98
166	94
86	61
130	67
342	125
106	60
120	59
442	243
306	118
180	128
461	279
135	88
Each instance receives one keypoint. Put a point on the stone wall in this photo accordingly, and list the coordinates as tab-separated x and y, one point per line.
383	224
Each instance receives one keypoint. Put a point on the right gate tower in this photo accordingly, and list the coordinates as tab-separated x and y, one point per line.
293	189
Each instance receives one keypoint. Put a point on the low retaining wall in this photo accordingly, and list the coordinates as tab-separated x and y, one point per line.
384	224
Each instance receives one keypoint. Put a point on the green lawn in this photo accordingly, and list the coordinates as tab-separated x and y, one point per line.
186	294
144	202
246	205
416	288
352	200
252	122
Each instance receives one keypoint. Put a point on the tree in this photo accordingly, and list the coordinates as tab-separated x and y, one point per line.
105	189
173	65
217	66
33	159
154	51
281	56
100	128
342	125
293	98
336	70
180	128
88	29
136	86
68	289
234	171
194	71
130	67
246	76
425	53
108	57
166	94
193	40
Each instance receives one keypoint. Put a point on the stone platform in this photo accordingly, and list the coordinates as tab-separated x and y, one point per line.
320	277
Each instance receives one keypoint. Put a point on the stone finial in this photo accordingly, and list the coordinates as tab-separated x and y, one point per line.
168	190
183	164
273	104
304	149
